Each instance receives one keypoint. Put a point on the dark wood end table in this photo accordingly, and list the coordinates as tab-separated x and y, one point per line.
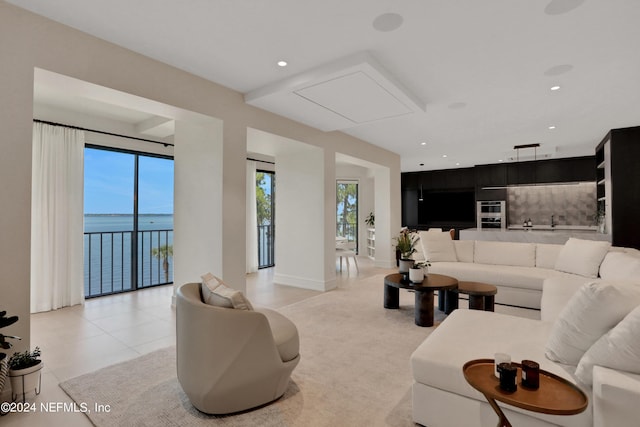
481	296
555	395
424	302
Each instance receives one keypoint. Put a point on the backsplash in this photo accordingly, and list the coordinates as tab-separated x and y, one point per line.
570	204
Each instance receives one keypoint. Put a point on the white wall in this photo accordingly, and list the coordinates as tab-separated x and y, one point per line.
300	218
197	245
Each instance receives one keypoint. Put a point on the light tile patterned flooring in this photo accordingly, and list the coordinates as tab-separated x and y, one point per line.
81	339
107	330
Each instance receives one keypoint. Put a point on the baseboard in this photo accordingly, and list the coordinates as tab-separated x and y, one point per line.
304	283
380	263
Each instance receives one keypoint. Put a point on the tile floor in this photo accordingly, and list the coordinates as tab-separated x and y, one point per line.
107	330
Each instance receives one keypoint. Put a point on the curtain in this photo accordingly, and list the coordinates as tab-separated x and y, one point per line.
252	219
57	233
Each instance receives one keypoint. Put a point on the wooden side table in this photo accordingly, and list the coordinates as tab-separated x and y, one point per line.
555	396
481	296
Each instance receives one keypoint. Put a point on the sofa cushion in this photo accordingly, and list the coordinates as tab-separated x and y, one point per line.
547	255
594	309
505	253
582	257
556	293
464	250
620	266
437	246
618	349
285	334
216	292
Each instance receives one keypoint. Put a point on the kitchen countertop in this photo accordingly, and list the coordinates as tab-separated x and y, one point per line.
543	227
537	234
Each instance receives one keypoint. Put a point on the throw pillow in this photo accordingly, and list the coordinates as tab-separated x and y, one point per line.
437	246
216	292
618	349
620	266
594	309
582	257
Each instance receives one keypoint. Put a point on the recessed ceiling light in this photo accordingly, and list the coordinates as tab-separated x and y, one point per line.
457	164
457	105
558	7
282	63
555	87
552	127
444	155
500	160
387	22
423	143
558	69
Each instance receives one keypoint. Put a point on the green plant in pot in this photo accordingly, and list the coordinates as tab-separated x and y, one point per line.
5	345
406	245
370	220
24	372
418	272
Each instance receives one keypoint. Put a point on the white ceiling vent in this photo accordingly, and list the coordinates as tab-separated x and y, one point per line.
340	95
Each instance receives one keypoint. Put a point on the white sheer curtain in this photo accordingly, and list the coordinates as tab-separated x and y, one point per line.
252	219
57	218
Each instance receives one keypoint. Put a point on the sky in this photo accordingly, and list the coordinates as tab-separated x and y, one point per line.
109	183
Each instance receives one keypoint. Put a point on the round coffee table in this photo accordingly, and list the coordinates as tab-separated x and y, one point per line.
555	395
424	303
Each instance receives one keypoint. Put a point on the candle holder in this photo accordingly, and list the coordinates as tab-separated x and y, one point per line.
530	374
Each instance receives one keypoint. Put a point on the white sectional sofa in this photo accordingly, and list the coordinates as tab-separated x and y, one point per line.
518	270
596	321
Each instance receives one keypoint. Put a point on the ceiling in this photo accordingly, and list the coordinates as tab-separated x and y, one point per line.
469	79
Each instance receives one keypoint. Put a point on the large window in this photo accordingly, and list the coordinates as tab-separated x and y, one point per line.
128	241
347	210
265	199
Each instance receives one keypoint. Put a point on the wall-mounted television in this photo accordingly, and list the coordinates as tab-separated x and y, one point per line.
447	206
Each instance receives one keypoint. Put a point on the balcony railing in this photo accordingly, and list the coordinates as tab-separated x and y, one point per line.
109	261
266	238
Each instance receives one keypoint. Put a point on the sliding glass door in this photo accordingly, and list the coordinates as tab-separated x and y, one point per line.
128	238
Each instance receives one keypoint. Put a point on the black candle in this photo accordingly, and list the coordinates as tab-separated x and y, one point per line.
508	373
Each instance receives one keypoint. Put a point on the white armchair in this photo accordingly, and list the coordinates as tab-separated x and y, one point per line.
231	360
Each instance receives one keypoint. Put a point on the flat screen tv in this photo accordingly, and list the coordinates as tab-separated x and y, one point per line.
447	206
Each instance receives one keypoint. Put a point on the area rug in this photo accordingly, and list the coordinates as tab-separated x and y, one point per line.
354	371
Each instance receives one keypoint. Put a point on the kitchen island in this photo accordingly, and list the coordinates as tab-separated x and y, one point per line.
536	234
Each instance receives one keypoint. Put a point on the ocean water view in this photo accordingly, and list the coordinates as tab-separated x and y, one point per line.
108	252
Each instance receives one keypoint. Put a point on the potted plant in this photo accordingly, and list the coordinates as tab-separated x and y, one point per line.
24	372
370	220
5	345
406	245
417	273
